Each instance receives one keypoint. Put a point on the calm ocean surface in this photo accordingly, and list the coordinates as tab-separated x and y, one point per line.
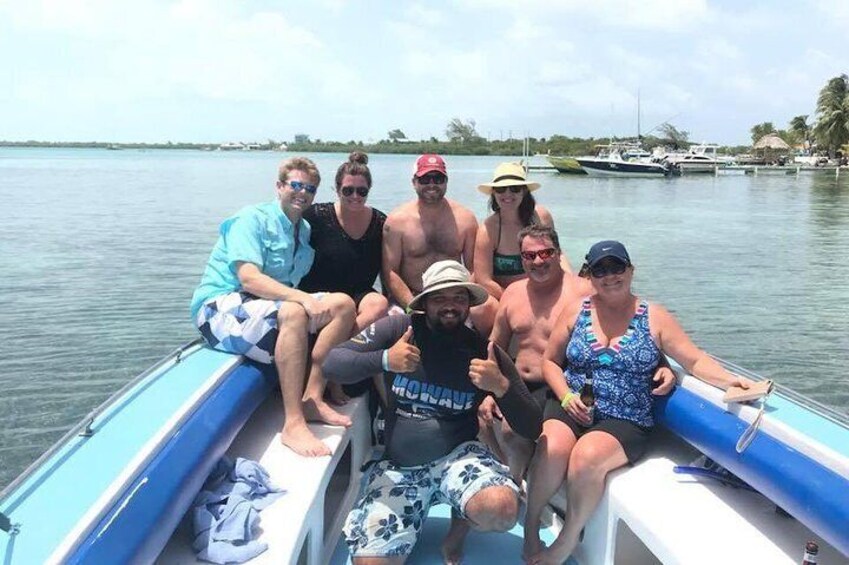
101	250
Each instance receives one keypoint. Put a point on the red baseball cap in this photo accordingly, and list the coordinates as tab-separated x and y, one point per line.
428	163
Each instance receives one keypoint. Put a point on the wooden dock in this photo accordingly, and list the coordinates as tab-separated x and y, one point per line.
778	169
744	169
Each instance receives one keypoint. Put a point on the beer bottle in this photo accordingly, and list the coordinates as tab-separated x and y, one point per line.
587	394
811	550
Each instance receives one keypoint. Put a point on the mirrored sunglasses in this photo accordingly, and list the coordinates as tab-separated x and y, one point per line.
298	186
432	178
608	268
360	190
515	189
544	254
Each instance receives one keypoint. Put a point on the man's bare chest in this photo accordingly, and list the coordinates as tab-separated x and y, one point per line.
434	238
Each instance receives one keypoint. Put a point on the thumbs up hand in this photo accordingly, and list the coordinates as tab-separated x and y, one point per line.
486	375
404	357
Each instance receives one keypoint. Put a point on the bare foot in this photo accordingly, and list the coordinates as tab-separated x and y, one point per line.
554	555
452	545
299	439
337	394
531	547
320	411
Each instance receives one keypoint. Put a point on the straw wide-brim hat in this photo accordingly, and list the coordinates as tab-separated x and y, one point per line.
508	174
448	274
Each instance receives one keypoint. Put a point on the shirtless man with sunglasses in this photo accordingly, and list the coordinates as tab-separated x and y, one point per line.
423	231
526	314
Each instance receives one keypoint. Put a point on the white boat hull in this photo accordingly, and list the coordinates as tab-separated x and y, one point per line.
615	168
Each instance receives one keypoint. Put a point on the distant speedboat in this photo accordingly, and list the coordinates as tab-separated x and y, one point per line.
620	161
566	165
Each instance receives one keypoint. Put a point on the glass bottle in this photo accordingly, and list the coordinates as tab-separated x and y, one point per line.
587	394
811	550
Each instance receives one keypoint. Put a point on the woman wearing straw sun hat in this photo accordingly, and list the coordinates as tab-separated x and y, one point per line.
497	259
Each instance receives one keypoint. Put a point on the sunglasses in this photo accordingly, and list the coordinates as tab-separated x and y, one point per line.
360	190
516	189
610	268
298	186
544	254
432	178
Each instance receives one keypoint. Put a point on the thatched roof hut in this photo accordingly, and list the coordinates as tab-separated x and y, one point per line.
770	147
772	141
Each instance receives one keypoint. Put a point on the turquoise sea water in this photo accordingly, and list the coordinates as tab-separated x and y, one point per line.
100	252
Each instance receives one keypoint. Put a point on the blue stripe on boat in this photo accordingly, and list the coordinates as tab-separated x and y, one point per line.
814	494
54	499
160	495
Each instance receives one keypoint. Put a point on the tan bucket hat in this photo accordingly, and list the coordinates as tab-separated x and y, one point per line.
448	274
508	174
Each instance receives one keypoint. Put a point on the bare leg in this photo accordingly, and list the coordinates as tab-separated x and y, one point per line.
516	449
372	307
595	455
452	545
546	473
493	509
290	357
486	434
334	333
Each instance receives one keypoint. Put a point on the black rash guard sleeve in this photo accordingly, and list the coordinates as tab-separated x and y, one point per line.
361	356
522	413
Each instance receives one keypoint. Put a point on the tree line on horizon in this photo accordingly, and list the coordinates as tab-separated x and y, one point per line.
828	133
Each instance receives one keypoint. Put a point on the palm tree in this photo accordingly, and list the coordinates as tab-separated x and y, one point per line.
799	125
760	130
832	129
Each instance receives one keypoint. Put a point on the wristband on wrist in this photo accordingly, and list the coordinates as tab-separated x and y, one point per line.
564	402
385	360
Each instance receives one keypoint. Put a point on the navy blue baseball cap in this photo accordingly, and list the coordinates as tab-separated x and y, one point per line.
604	249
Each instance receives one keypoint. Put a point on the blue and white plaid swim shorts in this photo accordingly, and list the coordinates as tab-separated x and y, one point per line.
242	323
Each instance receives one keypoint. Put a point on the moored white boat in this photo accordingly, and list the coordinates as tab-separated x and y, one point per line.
118	491
698	159
622	160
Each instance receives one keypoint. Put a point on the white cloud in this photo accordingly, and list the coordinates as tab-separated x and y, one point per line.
523	30
670	15
419	15
341	70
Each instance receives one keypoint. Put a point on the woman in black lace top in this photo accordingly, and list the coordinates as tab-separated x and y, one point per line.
347	236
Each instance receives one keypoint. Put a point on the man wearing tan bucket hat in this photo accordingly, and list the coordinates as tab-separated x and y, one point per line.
429	229
437	371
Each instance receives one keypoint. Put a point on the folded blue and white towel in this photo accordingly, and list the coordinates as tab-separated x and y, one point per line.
226	511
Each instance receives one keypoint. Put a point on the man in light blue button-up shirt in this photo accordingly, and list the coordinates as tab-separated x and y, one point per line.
248	302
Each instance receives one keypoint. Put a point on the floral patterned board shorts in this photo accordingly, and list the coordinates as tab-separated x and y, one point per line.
394	501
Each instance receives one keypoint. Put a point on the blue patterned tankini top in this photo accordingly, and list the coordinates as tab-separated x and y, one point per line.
622	372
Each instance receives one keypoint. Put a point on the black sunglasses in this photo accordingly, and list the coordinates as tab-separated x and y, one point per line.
608	268
432	178
360	190
515	189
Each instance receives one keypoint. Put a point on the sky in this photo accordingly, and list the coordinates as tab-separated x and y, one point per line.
252	70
